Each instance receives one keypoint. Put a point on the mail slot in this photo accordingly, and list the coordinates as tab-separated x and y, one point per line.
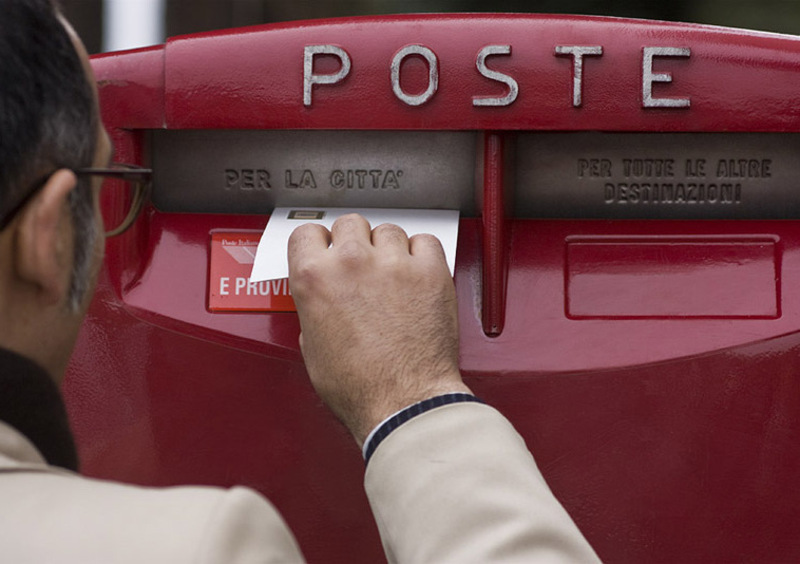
627	264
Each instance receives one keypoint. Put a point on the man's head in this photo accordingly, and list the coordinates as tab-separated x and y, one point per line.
49	125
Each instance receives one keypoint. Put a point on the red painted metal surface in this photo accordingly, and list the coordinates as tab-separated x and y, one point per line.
264	86
668	430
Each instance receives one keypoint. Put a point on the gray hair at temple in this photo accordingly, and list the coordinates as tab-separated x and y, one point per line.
47	119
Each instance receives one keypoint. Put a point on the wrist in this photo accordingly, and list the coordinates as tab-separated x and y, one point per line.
380	413
394	421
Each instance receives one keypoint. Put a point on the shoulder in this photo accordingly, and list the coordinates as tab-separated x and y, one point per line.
50	514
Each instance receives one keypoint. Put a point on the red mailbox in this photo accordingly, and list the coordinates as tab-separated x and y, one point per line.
628	267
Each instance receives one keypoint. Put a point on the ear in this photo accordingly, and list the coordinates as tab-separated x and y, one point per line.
44	242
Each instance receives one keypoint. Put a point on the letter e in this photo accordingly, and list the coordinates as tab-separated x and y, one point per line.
649	77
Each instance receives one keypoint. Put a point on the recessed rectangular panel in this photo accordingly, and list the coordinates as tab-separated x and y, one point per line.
658	175
672	277
223	171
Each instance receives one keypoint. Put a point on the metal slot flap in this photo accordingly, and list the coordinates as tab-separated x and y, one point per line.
224	171
658	175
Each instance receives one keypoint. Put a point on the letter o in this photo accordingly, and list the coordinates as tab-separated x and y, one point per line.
433	74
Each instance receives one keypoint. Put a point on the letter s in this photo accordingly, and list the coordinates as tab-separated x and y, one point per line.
513	87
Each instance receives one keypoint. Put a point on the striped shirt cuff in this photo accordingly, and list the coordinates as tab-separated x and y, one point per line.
388	425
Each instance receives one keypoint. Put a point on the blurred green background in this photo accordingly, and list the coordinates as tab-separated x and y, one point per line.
189	16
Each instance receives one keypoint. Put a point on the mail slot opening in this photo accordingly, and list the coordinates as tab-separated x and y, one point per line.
596	175
254	171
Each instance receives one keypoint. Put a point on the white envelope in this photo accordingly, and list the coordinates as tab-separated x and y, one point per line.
271	261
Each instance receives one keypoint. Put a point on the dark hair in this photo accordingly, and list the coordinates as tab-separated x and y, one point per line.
47	117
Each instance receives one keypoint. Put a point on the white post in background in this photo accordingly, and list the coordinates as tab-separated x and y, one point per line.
128	24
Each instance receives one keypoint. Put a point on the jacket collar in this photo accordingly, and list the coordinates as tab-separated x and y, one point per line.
30	402
16	451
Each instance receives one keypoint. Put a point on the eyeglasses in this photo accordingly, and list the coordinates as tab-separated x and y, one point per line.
120	202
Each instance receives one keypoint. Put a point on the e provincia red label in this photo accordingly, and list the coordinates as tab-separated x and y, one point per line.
229	287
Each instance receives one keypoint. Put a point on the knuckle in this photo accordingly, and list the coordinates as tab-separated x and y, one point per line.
303	234
349	221
302	231
394	265
301	271
304	275
390	229
351	252
428	248
389	233
427	240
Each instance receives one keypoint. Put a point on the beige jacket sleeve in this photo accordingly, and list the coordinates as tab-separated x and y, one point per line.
458	484
59	519
54	516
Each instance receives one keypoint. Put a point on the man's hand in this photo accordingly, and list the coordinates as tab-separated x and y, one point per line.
378	318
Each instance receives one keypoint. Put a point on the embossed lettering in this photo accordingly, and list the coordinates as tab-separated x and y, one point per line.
310	79
361	179
300	180
648	167
247	179
513	87
689	193
649	77
390	180
695	167
578	53
433	74
744	168
594	167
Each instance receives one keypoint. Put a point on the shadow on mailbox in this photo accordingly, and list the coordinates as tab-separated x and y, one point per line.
626	268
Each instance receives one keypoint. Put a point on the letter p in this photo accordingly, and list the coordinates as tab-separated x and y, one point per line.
310	79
